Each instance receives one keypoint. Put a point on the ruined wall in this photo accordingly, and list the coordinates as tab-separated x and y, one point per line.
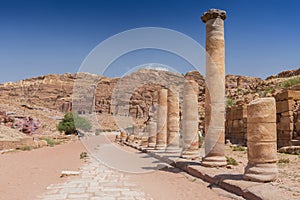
288	119
236	124
18	143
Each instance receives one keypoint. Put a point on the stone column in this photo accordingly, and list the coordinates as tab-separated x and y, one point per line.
161	137
190	119
215	89
135	133
152	135
173	122
144	142
261	141
135	130
144	136
123	135
130	138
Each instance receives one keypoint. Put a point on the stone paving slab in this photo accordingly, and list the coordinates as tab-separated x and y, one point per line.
96	182
233	183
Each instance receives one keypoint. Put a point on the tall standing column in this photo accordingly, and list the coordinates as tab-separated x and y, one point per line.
190	119
215	89
161	137
261	141
152	135
173	121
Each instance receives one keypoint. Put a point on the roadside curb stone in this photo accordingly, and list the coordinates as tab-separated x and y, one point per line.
232	183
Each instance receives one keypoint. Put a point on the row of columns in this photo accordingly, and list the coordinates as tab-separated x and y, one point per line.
167	129
164	131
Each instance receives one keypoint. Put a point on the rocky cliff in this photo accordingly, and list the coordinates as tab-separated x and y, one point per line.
132	95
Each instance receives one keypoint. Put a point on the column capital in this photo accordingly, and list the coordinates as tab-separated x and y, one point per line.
212	14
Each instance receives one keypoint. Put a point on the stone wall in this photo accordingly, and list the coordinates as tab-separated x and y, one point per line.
236	124
27	141
288	119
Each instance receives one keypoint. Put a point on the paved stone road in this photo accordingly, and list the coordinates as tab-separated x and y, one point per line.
96	182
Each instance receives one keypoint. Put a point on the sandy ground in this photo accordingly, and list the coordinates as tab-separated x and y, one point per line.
25	175
289	173
172	184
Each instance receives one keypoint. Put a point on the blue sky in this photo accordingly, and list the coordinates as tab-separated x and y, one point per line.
55	36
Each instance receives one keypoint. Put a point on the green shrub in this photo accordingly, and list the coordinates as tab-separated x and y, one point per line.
230	102
129	129
25	148
291	82
238	148
263	93
98	131
71	122
231	161
83	155
284	160
49	141
201	140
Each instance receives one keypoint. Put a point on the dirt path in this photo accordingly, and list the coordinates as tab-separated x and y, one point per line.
24	175
139	168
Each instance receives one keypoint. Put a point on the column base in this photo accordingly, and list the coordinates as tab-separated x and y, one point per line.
263	172
173	149
151	145
144	142
190	154
214	161
160	147
123	140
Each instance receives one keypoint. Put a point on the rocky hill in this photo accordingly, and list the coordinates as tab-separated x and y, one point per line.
132	95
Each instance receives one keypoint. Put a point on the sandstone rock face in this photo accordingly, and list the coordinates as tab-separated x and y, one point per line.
261	141
24	124
9	134
244	89
27	125
55	91
32	121
87	93
49	91
285	74
45	95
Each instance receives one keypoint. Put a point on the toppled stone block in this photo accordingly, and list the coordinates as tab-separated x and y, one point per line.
290	150
289	94
69	173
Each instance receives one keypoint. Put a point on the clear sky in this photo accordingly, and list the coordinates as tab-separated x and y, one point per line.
40	37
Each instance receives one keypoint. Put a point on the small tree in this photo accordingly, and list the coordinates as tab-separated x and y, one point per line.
71	122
